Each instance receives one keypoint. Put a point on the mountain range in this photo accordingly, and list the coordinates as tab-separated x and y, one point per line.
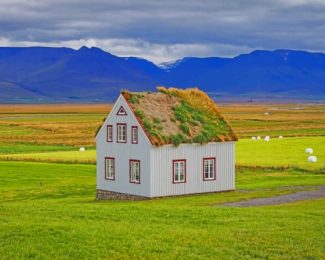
44	74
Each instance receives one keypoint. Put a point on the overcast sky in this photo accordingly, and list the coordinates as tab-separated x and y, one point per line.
165	30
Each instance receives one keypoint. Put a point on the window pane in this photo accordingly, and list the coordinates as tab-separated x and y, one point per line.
109	133
135	171
208	169
211	169
134	134
110	168
181	177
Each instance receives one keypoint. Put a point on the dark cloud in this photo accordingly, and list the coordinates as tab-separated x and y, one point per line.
166	29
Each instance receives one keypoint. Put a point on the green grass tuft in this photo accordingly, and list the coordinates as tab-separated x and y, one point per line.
135	98
212	126
177	139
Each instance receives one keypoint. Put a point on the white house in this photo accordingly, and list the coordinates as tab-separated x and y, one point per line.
166	143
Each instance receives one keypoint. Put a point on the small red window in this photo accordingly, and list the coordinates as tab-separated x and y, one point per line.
109	168
135	171
109	133
209	169
179	171
134	134
121	133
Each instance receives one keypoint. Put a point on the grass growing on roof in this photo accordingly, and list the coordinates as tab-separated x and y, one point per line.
199	117
199	125
180	116
153	127
134	98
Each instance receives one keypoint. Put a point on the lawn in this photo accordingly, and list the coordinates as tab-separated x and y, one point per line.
287	152
88	156
14	148
49	211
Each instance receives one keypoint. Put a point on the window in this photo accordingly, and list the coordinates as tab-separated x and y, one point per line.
121	111
209	169
121	133
135	171
109	168
179	171
134	134
109	133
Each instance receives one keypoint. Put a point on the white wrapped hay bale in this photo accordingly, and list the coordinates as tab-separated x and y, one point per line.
266	113
280	137
267	138
309	150
82	149
312	158
253	138
258	138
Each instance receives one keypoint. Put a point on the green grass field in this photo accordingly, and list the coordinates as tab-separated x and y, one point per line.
88	156
14	148
48	210
287	152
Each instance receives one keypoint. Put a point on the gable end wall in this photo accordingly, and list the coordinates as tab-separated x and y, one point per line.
123	153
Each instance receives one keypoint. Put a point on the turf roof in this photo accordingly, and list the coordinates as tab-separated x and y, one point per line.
175	116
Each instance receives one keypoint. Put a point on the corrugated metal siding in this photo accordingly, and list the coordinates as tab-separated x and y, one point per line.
156	162
122	154
161	168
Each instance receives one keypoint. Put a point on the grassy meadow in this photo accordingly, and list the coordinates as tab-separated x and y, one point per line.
47	188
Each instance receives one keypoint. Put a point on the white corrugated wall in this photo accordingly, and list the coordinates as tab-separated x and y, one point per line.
161	160
123	152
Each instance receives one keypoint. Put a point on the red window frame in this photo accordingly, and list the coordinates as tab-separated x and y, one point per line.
214	169
118	113
185	177
126	133
107	178
137	134
107	137
130	172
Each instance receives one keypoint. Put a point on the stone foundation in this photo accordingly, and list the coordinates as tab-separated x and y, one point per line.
112	195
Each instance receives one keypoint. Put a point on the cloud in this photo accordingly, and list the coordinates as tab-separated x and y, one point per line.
162	30
155	52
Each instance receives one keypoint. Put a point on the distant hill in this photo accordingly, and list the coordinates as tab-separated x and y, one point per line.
42	74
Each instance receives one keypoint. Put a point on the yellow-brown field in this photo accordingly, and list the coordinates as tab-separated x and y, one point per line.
282	119
55	124
76	124
53	108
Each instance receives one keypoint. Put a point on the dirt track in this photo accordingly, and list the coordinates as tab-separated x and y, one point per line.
301	195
